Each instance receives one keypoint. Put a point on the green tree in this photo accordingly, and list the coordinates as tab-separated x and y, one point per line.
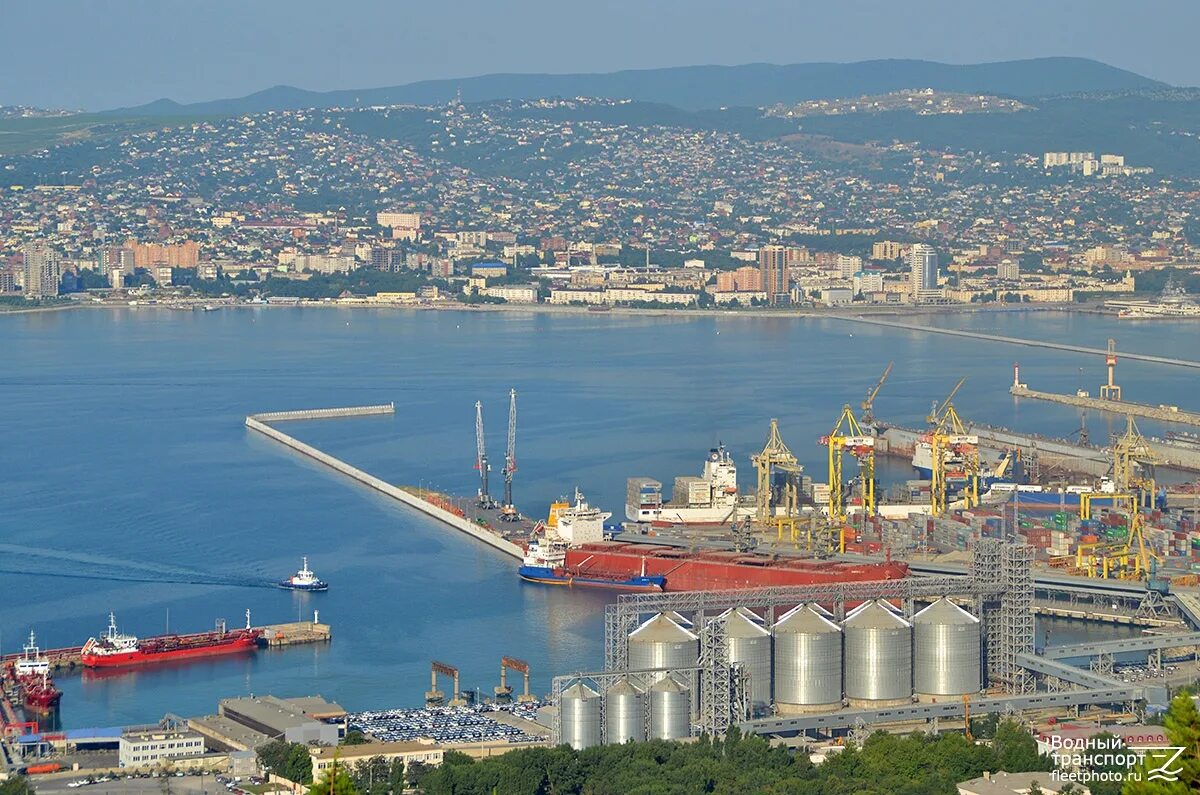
1016	750
396	779
334	781
298	765
1182	725
18	785
354	737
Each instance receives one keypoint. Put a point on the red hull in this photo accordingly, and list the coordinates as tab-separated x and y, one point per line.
155	650
685	570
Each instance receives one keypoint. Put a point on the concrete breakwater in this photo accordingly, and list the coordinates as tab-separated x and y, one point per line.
1160	413
259	423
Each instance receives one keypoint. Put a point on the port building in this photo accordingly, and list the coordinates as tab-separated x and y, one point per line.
297	720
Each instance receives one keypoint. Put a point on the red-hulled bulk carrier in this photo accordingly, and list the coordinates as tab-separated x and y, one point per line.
113	649
714	570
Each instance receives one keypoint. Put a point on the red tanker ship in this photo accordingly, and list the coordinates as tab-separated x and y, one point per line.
29	675
112	649
715	570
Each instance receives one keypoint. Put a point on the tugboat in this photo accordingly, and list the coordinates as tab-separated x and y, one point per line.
304	580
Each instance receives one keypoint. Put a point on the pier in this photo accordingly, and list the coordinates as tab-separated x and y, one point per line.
1160	413
258	423
1058	346
296	633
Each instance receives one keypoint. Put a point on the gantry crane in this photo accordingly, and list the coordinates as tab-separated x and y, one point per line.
776	458
509	511
1132	559
949	441
504	691
847	436
868	404
1133	465
481	460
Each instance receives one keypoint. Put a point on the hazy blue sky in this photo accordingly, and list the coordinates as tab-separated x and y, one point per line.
99	54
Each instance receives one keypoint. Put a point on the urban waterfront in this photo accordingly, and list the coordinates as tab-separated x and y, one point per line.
127	459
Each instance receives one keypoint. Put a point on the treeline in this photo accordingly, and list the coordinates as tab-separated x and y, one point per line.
886	764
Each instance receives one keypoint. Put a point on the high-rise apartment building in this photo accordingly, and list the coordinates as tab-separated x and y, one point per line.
772	267
923	271
43	271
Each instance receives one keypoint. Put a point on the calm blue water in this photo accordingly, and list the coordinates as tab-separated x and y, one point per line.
124	455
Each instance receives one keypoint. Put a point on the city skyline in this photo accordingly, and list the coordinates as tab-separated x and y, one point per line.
261	47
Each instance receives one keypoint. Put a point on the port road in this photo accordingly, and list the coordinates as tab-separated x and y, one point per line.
979	335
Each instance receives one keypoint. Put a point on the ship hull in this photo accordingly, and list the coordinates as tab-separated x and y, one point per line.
544	575
683	570
143	657
319	586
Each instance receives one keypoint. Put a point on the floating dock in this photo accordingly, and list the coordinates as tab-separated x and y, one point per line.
436	506
1160	413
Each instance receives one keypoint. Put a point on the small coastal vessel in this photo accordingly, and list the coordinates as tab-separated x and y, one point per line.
304	580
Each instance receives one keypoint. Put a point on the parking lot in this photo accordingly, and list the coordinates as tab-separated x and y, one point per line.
445	724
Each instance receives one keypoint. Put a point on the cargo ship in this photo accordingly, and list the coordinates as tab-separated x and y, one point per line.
574	525
29	677
712	498
114	649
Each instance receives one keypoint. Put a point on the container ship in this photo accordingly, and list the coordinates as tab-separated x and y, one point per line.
711	498
114	649
29	678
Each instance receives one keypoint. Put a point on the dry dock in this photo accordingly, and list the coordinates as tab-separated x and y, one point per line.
259	423
1160	413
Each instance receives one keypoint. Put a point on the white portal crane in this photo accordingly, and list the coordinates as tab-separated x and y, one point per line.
481	460
509	511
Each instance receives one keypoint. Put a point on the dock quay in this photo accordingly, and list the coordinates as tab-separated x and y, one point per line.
1122	407
296	633
435	506
977	335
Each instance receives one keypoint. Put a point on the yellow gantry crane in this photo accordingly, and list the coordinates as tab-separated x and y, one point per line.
848	437
776	457
1132	559
868	404
950	444
1133	465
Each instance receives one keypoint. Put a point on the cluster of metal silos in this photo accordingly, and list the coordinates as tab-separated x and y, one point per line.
805	662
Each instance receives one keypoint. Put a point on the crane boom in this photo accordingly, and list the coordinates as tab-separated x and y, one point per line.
937	411
868	403
509	511
481	460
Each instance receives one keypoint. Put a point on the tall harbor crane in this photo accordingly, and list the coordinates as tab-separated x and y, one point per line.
951	446
481	460
1133	465
508	511
774	459
868	404
848	436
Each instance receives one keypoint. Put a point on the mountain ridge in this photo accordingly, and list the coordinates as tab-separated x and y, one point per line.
700	87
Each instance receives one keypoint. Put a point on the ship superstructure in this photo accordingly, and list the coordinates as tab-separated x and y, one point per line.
29	678
711	498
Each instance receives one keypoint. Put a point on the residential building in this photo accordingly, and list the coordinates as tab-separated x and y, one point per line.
512	293
180	255
744	279
323	263
42	271
772	266
923	271
393	220
1009	270
152	747
848	265
887	249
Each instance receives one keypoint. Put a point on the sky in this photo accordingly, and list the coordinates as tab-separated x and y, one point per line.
101	54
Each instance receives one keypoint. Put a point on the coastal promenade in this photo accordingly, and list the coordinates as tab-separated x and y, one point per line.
978	335
259	424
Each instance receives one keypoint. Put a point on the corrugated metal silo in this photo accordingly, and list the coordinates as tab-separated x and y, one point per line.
670	710
808	662
878	656
579	712
946	658
624	713
749	643
662	643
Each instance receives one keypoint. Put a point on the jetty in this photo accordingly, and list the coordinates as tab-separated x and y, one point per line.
431	505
